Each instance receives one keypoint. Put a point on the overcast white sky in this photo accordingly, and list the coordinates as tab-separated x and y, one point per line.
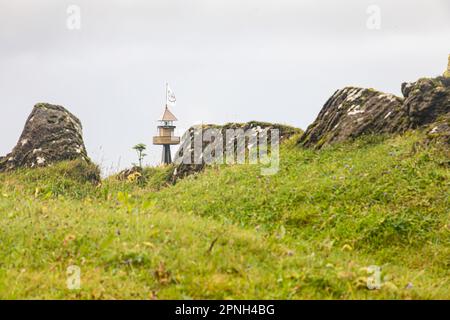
226	60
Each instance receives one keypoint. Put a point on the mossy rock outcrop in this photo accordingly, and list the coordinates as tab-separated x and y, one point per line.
197	162
51	134
426	100
352	112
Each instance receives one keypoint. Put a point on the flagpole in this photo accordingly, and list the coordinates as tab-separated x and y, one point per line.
167	88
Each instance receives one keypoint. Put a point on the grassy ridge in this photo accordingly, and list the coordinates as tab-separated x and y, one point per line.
310	231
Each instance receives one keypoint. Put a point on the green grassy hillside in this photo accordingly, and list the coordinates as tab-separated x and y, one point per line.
310	231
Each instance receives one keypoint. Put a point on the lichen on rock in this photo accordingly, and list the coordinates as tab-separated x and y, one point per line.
426	100
51	134
197	162
353	112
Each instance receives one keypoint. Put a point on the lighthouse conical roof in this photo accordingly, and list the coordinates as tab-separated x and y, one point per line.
168	116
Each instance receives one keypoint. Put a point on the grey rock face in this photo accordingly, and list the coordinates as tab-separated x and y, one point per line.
198	164
51	134
426	100
353	112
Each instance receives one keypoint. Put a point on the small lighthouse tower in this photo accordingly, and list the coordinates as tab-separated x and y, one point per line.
166	132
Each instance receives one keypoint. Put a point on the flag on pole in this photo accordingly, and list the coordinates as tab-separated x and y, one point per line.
171	99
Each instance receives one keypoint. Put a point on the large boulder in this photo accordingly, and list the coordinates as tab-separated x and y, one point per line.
353	112
182	170
426	100
51	134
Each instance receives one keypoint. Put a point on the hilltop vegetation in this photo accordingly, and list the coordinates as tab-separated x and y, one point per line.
310	231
